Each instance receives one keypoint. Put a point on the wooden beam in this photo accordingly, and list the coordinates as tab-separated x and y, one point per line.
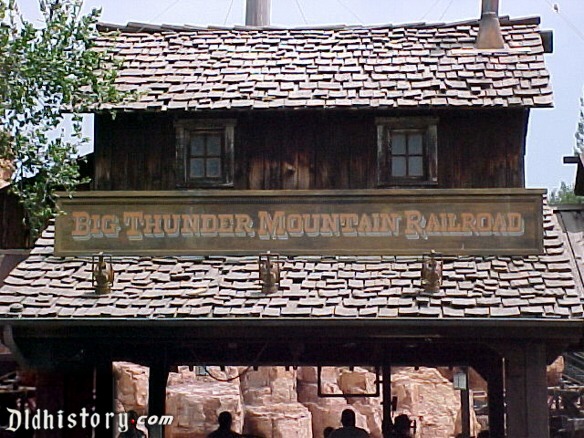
69	392
526	391
496	393
465	407
104	395
490	367
157	393
386	380
50	396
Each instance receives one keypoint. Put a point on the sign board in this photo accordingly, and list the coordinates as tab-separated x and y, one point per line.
364	222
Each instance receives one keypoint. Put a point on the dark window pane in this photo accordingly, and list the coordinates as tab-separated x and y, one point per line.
197	145
398	144
214	145
214	167
197	168
398	166
415	144
416	166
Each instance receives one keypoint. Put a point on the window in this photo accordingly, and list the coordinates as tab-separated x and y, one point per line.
406	153
205	153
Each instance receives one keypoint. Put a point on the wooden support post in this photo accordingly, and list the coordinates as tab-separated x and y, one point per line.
104	397
386	380
490	367
526	391
465	406
50	396
60	394
157	394
495	389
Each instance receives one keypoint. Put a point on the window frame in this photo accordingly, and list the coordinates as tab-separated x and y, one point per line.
185	129
428	127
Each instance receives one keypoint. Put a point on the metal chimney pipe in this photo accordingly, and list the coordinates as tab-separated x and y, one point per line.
258	12
490	36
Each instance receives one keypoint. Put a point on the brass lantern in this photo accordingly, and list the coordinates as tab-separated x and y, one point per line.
102	273
431	273
269	267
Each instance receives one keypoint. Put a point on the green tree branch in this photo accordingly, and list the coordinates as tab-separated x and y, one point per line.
45	73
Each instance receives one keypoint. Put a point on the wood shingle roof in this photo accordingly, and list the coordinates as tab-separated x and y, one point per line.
419	65
195	288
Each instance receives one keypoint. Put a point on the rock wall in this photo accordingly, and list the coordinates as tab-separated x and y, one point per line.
275	402
196	401
429	398
325	410
131	387
271	404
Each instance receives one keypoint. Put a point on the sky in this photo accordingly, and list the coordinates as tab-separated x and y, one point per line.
550	132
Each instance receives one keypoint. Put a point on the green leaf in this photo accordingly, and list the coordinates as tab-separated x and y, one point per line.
46	72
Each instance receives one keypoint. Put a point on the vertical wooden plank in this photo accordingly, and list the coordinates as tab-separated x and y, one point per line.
325	152
160	163
465	407
14	233
521	135
536	370
382	168
386	380
68	392
229	147
496	391
481	149
432	154
341	164
526	390
490	367
79	386
132	146
273	131
157	394
241	157
50	396
354	136
103	146
305	146
289	152
250	152
104	396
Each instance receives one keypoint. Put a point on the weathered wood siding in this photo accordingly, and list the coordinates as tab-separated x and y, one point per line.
482	149
312	149
13	233
134	152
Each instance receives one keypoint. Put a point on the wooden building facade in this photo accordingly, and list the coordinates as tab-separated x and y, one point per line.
347	110
314	149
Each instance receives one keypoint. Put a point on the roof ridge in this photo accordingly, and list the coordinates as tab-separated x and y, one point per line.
149	27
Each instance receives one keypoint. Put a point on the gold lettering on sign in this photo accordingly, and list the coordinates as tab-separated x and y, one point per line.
279	225
272	227
132	220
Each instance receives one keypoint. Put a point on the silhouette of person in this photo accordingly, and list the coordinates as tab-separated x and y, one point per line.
402	426
133	431
224	430
327	431
387	428
349	430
